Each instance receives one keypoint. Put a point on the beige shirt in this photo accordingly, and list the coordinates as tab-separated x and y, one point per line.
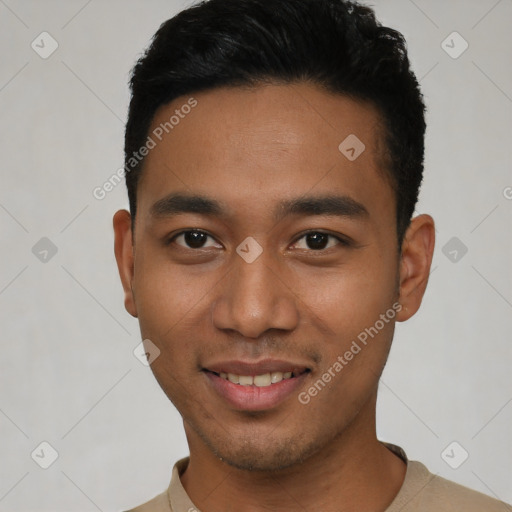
421	491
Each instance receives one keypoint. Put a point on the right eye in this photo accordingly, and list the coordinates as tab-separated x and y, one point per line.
194	239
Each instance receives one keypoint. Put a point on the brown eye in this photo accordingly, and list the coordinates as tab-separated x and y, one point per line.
194	239
317	241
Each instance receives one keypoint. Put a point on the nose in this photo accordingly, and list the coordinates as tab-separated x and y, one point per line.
255	298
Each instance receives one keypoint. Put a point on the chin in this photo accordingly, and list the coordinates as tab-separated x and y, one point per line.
258	461
260	455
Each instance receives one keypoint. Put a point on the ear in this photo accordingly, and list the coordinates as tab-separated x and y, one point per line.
124	251
415	262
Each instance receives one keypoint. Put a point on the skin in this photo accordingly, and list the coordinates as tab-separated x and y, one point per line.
250	149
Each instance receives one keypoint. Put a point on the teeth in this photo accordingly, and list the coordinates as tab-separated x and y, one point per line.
261	381
245	380
233	378
276	377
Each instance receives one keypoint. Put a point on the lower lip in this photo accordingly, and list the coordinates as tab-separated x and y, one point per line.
254	398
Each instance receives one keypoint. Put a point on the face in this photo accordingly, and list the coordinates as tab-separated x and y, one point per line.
261	257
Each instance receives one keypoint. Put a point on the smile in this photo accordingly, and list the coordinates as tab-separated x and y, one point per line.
263	380
259	391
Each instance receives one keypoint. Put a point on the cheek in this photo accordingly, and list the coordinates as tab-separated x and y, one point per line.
351	298
348	306
167	295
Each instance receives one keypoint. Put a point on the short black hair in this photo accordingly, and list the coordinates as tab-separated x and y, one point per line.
336	44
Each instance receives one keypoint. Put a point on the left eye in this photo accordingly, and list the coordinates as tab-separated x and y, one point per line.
194	239
317	241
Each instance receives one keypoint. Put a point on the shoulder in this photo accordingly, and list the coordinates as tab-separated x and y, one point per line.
425	492
174	493
159	503
441	490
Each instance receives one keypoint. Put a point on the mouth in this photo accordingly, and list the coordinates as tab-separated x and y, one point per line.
255	387
262	380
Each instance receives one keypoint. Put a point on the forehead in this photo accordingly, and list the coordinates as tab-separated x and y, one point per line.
253	145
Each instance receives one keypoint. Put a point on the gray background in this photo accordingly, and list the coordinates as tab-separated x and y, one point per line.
68	375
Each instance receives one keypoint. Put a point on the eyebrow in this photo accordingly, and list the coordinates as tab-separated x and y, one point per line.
341	206
335	205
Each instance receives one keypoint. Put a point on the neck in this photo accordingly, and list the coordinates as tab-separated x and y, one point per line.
354	472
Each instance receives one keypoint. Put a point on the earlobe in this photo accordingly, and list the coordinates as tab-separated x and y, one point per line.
416	259
123	249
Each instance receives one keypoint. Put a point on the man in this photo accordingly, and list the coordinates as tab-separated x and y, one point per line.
274	153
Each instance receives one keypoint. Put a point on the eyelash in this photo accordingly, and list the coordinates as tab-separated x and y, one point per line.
342	240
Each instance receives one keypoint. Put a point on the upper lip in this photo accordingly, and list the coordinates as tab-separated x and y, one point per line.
256	368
